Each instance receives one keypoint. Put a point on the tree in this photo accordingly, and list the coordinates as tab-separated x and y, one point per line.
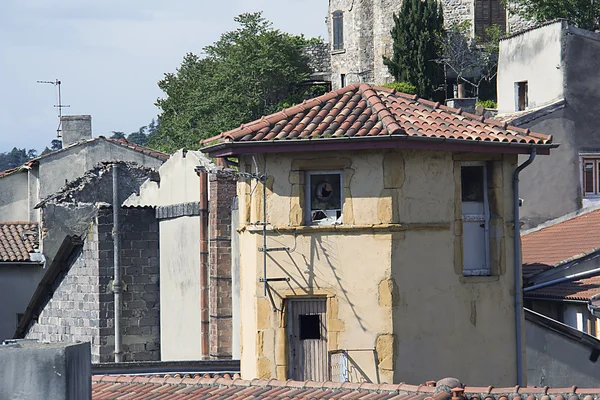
16	157
473	61
249	72
415	47
139	137
56	144
581	13
117	135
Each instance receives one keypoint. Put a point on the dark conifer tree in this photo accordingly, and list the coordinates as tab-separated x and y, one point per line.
415	34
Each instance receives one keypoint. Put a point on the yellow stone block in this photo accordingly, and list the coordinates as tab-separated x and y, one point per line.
263	368
263	313
336	325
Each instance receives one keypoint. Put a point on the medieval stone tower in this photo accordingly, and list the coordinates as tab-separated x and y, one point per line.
359	33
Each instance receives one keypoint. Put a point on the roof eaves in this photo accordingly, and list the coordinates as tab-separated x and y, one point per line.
532	28
523	117
561	328
298	144
564	218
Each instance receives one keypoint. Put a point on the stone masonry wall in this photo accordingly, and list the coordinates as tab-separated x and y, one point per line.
140	322
82	306
367	25
73	314
222	192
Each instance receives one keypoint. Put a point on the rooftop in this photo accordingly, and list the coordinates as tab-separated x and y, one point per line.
578	289
217	387
364	116
17	241
119	142
560	241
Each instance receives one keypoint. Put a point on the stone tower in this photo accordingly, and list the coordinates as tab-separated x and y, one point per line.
359	33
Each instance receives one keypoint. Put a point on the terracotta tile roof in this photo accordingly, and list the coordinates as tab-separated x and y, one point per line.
580	289
120	142
117	387
560	242
357	111
17	240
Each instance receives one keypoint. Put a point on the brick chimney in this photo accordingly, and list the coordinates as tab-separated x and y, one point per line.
222	191
75	128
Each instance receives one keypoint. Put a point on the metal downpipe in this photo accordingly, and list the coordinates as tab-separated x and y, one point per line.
518	266
204	336
117	286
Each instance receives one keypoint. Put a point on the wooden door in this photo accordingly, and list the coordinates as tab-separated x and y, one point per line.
307	339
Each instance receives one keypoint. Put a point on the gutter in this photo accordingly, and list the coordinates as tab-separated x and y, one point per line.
567	278
204	322
300	144
518	267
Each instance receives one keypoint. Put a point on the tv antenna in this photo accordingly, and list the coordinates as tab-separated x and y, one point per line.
59	106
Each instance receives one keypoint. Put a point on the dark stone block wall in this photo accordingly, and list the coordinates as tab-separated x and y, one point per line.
82	306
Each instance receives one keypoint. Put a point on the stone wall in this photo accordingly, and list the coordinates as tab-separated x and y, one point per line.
366	27
82	307
319	60
73	314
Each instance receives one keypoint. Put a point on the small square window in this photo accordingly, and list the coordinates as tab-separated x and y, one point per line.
324	197
521	96
310	327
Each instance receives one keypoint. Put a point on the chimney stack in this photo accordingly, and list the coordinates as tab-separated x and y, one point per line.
75	128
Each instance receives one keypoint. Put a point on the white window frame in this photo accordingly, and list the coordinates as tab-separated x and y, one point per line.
517	95
593	158
308	196
486	220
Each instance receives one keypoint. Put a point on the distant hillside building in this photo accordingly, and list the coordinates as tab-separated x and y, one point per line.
359	33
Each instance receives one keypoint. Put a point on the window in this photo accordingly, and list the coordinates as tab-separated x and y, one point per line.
521	100
310	327
324	197
338	30
475	219
342	80
488	13
590	176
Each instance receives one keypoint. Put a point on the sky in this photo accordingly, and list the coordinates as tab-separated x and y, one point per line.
109	56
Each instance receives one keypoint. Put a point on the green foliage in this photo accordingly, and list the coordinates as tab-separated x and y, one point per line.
403	87
16	157
415	46
117	135
487	104
249	72
581	13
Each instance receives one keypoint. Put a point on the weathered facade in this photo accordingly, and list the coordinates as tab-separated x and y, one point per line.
362	271
365	33
74	300
544	81
175	196
22	188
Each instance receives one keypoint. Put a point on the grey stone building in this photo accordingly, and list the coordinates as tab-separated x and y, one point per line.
74	300
359	33
547	82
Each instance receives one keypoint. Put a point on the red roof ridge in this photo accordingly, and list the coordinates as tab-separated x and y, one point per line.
385	116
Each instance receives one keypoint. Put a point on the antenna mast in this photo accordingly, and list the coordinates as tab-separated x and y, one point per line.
59	106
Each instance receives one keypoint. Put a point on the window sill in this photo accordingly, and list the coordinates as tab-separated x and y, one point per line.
334	52
478	279
347	228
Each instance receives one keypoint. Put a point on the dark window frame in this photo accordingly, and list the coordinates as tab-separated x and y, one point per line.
337	27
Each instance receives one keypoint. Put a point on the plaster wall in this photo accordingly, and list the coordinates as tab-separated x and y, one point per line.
385	287
574	127
557	360
535	56
70	164
13	197
179	254
180	289
179	182
17	284
36	371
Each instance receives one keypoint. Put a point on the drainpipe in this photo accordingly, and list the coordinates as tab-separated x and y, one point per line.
117	285
203	264
518	273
